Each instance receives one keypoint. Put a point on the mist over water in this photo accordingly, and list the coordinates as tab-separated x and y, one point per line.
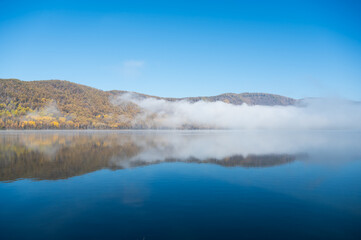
307	114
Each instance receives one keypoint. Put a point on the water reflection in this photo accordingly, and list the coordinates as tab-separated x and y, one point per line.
180	185
59	155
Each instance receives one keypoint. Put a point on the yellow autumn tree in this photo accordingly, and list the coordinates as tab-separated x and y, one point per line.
55	124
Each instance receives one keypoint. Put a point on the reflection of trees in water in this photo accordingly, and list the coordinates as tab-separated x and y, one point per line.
75	155
60	156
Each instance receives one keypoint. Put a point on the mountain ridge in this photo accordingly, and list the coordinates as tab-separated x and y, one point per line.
63	104
246	97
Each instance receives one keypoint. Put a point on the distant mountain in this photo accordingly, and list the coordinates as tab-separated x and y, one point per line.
56	104
265	99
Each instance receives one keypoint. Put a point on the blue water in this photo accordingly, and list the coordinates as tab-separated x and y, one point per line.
180	185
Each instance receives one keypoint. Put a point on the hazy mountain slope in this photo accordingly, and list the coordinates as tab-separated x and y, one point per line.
232	98
63	104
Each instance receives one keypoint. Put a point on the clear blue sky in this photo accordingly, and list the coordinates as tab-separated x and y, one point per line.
187	48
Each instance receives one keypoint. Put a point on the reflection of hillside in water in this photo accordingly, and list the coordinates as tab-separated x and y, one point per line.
60	156
268	160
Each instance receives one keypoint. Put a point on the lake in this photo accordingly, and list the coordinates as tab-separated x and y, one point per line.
180	185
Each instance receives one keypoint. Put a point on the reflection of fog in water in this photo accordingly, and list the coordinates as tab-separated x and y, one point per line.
63	154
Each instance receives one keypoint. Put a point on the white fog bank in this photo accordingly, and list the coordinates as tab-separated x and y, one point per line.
311	114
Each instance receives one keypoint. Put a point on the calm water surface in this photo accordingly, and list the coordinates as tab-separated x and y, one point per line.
180	185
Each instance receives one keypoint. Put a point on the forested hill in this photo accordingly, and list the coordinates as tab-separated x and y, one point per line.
56	104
